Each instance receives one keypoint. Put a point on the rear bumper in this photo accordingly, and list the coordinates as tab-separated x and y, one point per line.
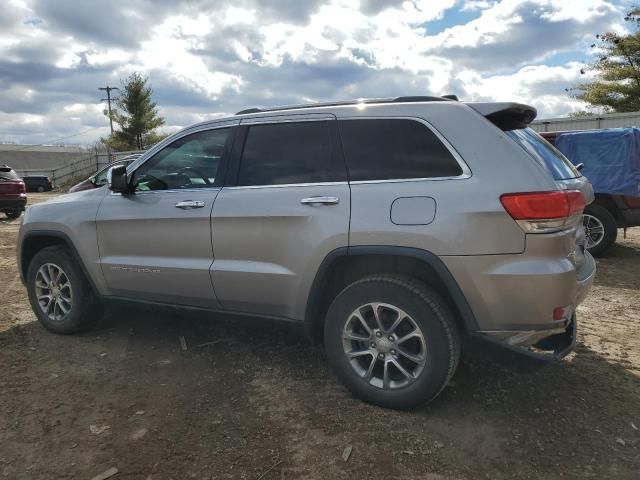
514	297
547	345
13	203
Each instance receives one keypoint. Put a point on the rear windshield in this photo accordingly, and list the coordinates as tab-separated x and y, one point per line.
544	153
7	174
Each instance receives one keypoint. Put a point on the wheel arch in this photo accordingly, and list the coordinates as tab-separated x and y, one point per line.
347	264
36	240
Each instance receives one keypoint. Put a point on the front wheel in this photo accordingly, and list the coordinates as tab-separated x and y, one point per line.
392	341
600	229
58	292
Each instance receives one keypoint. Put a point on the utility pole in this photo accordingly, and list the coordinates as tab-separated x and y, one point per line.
108	89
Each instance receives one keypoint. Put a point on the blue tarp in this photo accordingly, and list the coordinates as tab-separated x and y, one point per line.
611	158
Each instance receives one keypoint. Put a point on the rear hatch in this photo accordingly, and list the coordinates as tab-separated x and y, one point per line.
513	119
11	186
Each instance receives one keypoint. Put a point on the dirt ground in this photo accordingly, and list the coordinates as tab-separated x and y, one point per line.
250	399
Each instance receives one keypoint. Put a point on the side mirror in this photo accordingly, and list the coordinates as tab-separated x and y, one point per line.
579	166
92	180
117	179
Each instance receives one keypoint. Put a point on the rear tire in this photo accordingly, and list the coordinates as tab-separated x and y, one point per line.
428	334
59	292
13	213
40	189
599	218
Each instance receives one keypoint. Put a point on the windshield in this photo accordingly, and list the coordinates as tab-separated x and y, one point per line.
544	153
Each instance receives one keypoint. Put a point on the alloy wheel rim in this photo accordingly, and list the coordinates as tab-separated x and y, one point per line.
384	345
53	292
593	230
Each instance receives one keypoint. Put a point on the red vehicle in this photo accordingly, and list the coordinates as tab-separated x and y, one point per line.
13	193
100	178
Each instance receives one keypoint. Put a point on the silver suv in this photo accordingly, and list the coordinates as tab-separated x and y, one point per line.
395	228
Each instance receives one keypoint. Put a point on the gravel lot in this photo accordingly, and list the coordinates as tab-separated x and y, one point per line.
250	398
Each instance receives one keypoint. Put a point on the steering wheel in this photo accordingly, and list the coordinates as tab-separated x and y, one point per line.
196	171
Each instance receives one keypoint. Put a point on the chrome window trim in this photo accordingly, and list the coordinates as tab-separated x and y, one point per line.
283	185
466	171
400	180
304	117
173	190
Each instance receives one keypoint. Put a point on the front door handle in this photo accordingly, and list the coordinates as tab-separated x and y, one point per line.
317	201
189	204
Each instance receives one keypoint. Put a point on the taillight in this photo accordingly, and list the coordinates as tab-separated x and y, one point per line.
544	212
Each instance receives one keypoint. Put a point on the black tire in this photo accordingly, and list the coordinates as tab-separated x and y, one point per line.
13	213
610	228
40	189
431	315
85	308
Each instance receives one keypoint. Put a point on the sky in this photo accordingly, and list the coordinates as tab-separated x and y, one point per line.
210	58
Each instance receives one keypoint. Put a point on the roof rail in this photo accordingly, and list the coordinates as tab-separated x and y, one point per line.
408	99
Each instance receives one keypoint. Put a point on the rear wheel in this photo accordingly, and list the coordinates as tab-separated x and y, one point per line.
40	189
600	229
58	292
13	213
392	341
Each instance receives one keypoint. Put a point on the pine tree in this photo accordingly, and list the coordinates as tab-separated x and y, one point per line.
616	87
136	115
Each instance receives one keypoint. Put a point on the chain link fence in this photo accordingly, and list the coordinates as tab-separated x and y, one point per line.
83	168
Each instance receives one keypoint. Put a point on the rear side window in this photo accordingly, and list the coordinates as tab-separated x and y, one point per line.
383	149
544	153
284	153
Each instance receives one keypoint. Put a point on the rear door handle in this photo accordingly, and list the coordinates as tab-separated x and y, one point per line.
189	204
317	201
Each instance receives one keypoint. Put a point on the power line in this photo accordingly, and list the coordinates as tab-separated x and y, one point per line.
108	89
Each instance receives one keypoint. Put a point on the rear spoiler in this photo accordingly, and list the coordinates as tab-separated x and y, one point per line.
506	115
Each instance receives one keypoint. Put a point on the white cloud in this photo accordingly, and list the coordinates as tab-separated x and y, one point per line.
475	5
207	60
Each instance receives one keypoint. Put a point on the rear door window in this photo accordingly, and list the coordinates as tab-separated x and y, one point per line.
383	149
544	153
288	153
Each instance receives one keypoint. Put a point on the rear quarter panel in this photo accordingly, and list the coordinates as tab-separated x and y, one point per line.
470	219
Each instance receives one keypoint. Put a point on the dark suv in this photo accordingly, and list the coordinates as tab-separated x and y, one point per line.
13	196
37	183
